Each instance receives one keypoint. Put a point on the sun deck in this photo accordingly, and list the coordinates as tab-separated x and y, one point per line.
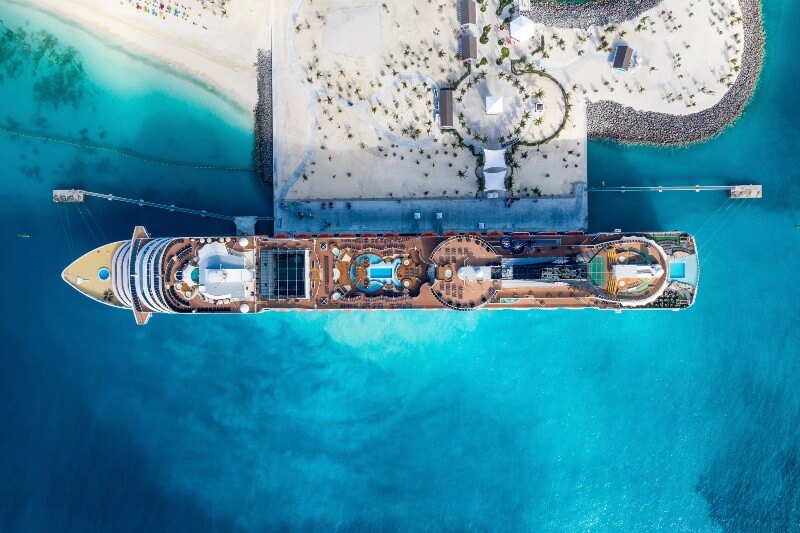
461	272
458	271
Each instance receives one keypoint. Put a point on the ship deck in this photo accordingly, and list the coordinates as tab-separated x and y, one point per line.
419	272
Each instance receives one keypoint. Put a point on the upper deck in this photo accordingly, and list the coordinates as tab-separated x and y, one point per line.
463	272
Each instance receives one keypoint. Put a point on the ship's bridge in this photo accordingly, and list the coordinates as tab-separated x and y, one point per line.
224	274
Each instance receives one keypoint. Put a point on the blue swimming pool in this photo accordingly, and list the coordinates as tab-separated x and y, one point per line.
677	270
196	275
103	274
380	273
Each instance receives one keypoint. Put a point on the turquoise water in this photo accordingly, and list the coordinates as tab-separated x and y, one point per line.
677	270
501	421
382	273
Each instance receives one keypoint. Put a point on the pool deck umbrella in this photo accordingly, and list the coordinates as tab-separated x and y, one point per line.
494	105
522	29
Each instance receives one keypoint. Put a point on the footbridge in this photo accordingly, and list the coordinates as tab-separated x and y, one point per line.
735	191
245	225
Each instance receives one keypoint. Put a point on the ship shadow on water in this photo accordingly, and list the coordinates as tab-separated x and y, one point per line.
611	210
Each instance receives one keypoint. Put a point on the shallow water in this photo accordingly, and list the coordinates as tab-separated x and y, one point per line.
557	420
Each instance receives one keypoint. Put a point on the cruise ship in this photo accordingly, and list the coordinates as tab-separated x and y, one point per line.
463	272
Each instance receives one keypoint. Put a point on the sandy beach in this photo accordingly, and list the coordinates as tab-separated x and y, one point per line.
219	50
356	100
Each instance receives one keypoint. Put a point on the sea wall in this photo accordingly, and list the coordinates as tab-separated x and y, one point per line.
262	147
599	13
613	121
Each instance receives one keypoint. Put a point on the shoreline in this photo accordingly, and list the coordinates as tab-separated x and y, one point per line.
233	82
611	121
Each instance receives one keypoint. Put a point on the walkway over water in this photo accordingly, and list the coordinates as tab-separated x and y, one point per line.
244	224
736	191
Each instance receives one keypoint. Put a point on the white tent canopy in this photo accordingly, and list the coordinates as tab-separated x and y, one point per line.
494	105
522	29
494	181
494	170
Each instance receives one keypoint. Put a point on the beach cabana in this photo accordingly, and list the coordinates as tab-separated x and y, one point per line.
467	12
494	105
522	29
468	47
623	58
494	170
446	108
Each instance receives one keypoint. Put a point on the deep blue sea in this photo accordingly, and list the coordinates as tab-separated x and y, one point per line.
506	421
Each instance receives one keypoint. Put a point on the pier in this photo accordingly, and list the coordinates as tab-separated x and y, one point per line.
735	191
245	225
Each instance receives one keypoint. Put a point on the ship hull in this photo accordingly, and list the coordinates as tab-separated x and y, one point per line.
464	272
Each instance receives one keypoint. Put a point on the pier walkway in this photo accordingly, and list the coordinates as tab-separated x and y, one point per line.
735	191
438	215
245	225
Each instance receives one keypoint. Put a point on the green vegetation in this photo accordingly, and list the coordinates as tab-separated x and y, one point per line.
503	4
520	67
505	52
485	35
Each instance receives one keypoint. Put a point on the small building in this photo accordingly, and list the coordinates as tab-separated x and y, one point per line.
468	47
494	171
467	12
522	29
623	58
494	105
446	109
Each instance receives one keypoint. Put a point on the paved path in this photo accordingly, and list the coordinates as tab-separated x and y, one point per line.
398	216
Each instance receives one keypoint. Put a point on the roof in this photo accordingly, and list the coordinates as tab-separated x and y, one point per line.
494	105
638	271
467	13
494	181
283	274
446	108
222	274
494	170
469	47
623	55
522	28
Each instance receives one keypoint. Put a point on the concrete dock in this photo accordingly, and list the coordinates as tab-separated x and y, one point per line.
406	216
746	191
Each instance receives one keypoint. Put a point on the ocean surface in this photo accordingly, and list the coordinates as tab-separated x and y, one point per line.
507	421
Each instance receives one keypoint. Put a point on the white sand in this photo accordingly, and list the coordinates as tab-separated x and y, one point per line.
352	92
688	54
355	32
218	50
375	137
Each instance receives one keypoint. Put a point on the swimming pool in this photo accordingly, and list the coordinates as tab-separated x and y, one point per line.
677	270
103	273
380	273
